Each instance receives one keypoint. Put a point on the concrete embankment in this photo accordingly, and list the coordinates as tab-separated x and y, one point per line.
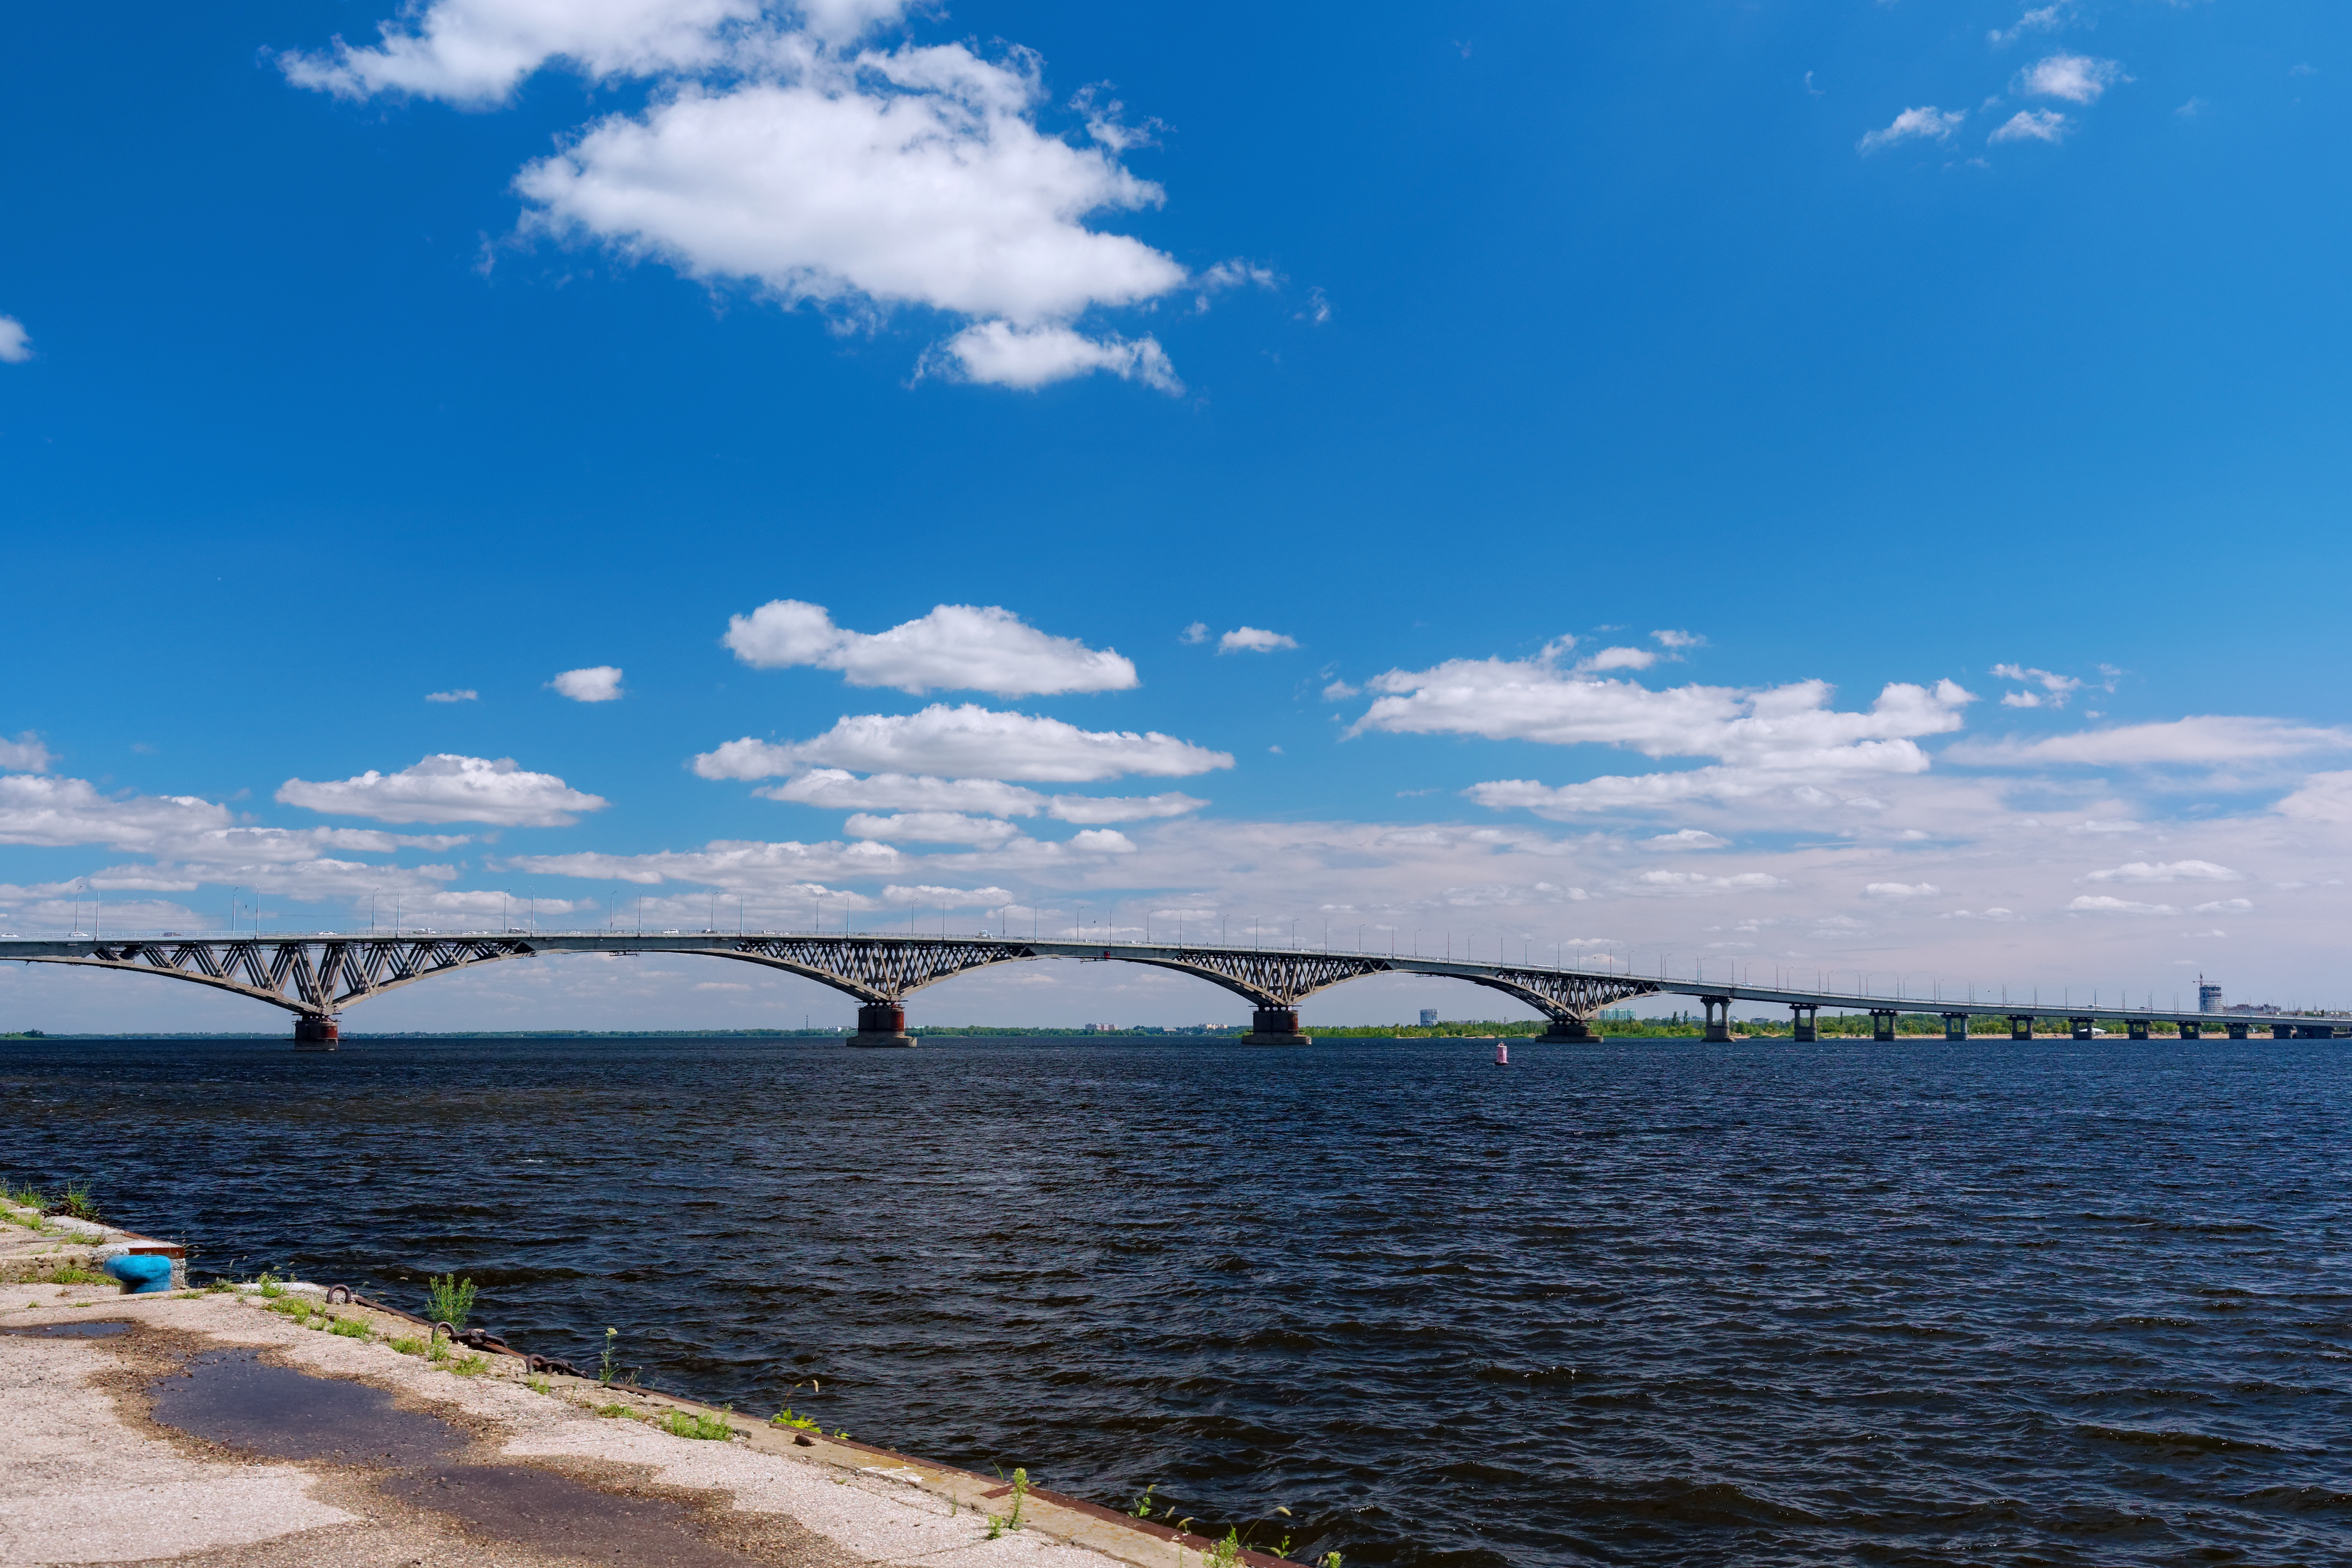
231	1427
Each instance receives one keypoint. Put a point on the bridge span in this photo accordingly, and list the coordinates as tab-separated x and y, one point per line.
317	975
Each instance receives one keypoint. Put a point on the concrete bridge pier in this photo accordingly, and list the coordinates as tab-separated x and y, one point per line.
2080	1027
2020	1026
1956	1026
1881	1023
881	1025
1274	1027
316	1032
1718	1018
2135	1028
2237	1031
1573	1030
2192	1031
1804	1021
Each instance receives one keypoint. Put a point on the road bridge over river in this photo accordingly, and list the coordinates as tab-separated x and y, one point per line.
317	975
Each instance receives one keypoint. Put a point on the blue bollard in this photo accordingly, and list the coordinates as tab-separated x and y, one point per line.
141	1273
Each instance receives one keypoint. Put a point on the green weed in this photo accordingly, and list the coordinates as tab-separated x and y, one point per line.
693	1424
78	1205
605	1367
538	1385
1328	1560
68	1274
785	1417
409	1344
353	1329
1142	1506
1020	1496
294	1307
469	1366
269	1287
437	1349
617	1410
451	1299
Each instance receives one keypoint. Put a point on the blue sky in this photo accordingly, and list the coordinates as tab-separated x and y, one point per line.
1881	346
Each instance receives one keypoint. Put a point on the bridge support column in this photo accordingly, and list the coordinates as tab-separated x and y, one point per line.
1718	1018
2237	1031
1882	1023
2192	1031
2020	1026
1274	1027
1804	1021
1956	1026
2135	1028
2080	1027
881	1024
1572	1029
316	1032
2281	1031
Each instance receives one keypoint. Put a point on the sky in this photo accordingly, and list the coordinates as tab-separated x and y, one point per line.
1848	491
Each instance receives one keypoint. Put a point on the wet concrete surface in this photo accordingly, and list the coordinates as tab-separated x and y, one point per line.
556	1515
233	1398
81	1331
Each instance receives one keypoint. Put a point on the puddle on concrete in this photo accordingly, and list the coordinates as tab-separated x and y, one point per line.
557	1514
82	1331
232	1397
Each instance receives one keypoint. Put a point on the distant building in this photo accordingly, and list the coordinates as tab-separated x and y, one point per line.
1102	1028
2208	997
1428	1017
2265	1010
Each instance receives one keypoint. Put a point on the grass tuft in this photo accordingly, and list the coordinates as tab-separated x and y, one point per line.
470	1366
353	1329
409	1344
693	1424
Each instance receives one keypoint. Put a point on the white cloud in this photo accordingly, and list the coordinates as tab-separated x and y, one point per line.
2208	739
2223	907
2167	871
1931	123
915	177
1697	884
25	754
467	695
597	683
933	828
840	790
733	865
967	741
1677	640
2042	20
48	810
999	353
2100	904
475	52
1900	891
15	344
1198	632
1120	808
445	788
1618	658
955	647
2077	79
2032	125
2322	798
1787	728
2055	689
953	897
1687	839
1102	841
1339	691
1251	639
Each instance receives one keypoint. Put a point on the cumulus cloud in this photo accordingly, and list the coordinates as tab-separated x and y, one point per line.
839	789
597	683
25	754
1198	632
953	897
2208	739
1697	884
1617	659
2166	871
1787	726
733	865
954	648
2032	125
913	177
1025	358
2222	906
476	52
933	826
966	742
2102	904
1687	839
2055	689
2077	79
2321	798
467	695
1900	891
1929	124
15	344
446	787
1677	641
1251	639
41	809
1120	808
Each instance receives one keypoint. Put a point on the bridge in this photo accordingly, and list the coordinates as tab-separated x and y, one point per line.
317	975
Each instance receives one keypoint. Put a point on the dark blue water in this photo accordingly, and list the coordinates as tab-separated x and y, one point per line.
1652	1302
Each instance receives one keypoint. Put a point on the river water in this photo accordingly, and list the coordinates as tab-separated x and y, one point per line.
1642	1302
